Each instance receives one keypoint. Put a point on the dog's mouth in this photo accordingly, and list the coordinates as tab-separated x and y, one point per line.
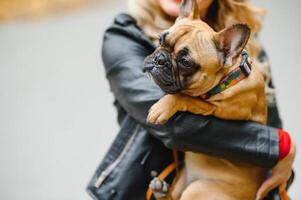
159	66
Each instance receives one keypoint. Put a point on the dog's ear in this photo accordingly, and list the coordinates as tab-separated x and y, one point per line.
231	41
189	9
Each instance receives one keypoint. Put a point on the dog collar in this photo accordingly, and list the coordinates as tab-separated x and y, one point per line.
236	75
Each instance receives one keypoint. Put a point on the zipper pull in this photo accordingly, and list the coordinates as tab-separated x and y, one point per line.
101	179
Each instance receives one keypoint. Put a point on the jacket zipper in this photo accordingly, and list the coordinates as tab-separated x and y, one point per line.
105	173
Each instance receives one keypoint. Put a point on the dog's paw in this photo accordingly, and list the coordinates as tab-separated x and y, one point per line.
161	111
159	187
158	114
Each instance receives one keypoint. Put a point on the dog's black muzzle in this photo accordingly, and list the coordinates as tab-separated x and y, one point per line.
159	65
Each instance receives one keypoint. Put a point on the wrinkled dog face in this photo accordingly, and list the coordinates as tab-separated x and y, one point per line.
192	57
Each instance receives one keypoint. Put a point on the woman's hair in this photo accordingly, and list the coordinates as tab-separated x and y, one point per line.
221	13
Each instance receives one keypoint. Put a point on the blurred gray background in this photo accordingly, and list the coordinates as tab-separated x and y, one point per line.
57	119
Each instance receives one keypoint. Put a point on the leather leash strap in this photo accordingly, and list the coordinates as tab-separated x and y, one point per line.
284	195
176	160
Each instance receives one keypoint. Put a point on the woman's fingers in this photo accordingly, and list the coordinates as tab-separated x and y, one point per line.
276	180
267	186
280	174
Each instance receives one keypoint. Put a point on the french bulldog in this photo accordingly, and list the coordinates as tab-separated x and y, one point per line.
191	60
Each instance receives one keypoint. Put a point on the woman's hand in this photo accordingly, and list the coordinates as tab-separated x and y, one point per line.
280	175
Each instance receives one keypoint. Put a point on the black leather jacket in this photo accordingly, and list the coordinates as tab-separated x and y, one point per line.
139	148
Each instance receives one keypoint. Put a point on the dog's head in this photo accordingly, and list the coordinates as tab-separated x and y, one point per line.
192	58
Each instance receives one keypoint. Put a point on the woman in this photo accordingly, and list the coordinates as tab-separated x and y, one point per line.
141	148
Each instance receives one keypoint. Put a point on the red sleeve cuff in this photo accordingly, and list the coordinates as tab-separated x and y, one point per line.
284	143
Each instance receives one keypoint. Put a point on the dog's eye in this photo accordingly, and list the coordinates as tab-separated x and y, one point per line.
185	62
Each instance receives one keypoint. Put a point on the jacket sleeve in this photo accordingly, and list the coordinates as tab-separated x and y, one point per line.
123	53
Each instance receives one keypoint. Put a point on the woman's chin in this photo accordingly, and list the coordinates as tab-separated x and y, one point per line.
170	7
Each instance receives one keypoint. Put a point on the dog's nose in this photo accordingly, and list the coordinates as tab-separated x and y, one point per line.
160	59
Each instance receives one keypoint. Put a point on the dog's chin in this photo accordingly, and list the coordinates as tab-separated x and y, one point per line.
167	88
165	80
170	90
